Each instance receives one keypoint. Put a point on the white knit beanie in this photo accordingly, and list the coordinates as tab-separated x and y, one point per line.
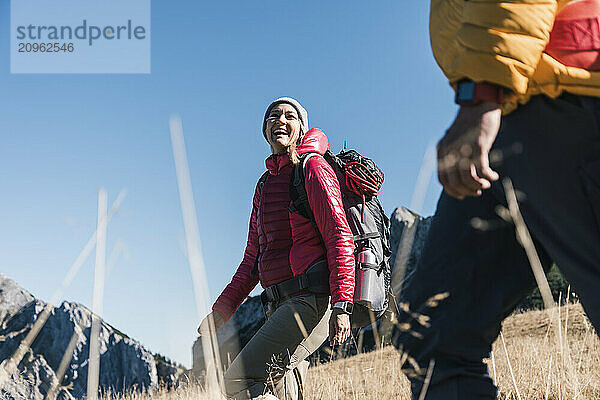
302	114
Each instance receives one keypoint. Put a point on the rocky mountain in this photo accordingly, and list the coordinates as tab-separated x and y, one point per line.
407	229
124	363
249	317
12	298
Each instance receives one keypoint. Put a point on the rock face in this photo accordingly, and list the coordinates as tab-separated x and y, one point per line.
407	240
249	317
12	298
124	363
32	381
168	374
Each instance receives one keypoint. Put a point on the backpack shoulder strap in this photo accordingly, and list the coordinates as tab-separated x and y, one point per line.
261	184
298	193
299	196
262	180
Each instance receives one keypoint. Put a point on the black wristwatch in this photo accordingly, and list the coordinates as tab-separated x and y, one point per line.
345	306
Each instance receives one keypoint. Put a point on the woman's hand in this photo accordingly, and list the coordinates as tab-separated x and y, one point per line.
339	327
218	321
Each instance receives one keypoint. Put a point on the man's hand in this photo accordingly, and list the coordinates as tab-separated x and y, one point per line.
218	321
463	163
339	327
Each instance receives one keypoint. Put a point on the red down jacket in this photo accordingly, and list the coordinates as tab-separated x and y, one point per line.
288	242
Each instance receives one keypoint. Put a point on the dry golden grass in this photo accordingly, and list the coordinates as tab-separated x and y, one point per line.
544	367
375	375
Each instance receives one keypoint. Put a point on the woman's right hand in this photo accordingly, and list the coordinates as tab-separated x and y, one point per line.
218	321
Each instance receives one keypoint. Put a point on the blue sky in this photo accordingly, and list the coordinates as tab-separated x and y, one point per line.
364	71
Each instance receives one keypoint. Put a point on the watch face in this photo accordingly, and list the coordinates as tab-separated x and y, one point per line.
465	92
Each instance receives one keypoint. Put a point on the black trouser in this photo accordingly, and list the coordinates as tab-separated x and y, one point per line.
486	272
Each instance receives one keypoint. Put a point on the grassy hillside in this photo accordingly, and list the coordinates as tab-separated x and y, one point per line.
548	361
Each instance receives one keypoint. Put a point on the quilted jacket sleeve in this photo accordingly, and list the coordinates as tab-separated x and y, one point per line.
243	280
497	41
325	201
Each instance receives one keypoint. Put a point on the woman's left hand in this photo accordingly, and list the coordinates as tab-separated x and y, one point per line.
218	321
339	327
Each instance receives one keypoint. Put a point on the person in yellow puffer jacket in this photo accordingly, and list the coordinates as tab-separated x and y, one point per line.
527	80
502	42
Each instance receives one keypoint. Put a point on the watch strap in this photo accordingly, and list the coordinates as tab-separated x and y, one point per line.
469	93
345	306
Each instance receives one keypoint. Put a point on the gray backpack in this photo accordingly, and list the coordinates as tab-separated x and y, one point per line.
360	180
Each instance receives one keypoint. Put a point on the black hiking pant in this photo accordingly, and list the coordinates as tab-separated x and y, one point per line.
550	149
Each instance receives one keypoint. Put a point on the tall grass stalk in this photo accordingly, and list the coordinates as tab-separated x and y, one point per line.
214	376
97	299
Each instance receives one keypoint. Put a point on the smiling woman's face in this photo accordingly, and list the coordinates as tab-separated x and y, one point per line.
283	127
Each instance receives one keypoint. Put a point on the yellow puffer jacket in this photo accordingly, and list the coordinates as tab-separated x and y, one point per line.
502	42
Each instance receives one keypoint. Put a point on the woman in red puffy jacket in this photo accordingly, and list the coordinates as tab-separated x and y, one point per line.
305	266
